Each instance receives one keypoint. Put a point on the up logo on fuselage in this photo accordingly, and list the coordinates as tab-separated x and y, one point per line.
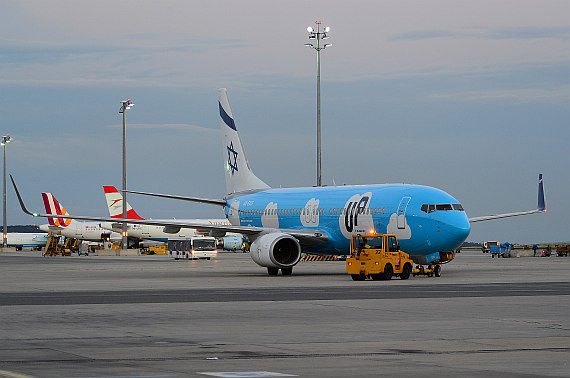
355	217
269	218
310	213
233	213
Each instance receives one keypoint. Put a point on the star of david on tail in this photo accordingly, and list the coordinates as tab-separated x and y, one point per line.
231	151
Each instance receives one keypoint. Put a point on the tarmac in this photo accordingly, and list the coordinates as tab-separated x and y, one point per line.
151	316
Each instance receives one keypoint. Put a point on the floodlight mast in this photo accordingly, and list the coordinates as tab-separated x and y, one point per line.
5	140
125	104
318	35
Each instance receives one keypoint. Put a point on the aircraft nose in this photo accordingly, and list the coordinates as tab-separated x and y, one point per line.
459	228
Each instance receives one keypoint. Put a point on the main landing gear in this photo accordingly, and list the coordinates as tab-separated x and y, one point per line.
284	271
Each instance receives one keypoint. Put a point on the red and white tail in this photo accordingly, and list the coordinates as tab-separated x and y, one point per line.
53	207
115	204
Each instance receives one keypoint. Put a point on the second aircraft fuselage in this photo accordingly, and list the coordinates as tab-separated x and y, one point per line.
424	219
90	231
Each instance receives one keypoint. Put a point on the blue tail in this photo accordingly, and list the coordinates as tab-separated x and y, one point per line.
541	199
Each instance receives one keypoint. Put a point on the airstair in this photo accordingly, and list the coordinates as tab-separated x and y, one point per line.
52	245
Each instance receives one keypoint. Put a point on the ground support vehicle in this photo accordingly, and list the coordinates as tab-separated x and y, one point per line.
486	245
563	249
377	256
193	248
155	250
501	250
54	248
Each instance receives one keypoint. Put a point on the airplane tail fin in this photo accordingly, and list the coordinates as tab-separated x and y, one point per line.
239	176
115	204
541	200
53	207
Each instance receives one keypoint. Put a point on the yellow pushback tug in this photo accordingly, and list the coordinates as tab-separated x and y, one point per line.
377	256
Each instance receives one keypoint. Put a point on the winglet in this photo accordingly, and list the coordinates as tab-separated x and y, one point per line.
541	199
22	205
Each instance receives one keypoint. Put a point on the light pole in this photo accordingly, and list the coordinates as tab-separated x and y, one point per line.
5	140
318	35
125	104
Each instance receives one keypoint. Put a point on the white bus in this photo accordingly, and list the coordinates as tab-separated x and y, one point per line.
193	248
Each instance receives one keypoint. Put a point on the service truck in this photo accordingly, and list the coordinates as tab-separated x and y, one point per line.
377	256
193	248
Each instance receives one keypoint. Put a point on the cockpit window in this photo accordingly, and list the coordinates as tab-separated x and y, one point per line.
430	208
443	207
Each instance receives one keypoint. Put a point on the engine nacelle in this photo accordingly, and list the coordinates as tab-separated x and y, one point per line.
276	250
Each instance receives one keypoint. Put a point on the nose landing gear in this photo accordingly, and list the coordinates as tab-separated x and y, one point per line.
430	270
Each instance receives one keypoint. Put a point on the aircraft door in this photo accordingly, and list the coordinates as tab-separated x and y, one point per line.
145	230
401	215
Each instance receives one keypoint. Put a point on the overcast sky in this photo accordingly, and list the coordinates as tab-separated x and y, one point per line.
471	97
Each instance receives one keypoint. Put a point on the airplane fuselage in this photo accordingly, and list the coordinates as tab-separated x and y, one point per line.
24	239
425	219
90	231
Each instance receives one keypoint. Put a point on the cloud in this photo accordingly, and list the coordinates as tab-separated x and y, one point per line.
424	34
523	95
530	33
521	33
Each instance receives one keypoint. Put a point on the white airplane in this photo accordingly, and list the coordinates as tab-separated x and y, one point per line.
151	232
26	239
283	223
70	228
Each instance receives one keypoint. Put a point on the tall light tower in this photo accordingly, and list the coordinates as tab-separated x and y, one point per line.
318	35
125	104
5	140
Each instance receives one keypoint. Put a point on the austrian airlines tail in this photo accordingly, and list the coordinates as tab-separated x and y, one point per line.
53	207
115	204
239	176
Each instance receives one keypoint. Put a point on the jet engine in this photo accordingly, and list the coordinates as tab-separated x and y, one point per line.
276	250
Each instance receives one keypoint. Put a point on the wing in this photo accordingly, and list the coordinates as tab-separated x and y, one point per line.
541	207
305	236
219	202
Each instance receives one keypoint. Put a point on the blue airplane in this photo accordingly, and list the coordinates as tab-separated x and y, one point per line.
283	223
